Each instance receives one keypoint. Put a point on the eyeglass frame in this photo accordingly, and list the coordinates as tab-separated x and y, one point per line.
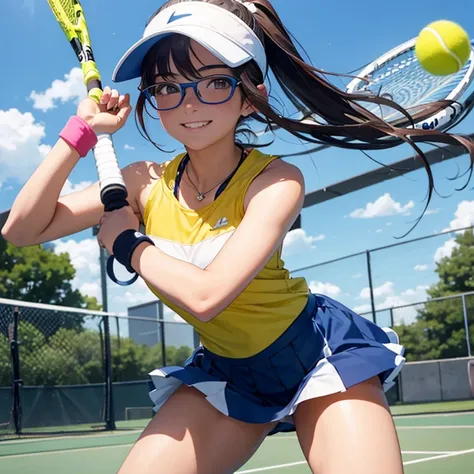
192	85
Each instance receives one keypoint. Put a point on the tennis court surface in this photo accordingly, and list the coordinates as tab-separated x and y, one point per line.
435	444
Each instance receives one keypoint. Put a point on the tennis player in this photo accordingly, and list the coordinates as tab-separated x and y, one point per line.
274	356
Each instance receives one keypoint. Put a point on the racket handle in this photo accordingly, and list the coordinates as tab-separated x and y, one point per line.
113	192
92	80
95	94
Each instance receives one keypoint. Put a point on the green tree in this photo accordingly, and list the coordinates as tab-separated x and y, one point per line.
439	331
37	274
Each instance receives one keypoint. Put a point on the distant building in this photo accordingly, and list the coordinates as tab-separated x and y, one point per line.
149	331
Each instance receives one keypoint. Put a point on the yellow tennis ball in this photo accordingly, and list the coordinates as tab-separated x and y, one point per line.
443	48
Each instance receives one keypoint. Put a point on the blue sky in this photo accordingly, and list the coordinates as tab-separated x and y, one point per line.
41	87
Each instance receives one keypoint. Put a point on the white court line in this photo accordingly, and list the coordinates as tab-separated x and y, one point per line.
440	427
428	452
60	438
434	415
431	458
67	451
269	468
444	455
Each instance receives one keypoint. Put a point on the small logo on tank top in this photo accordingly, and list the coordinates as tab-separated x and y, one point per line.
222	222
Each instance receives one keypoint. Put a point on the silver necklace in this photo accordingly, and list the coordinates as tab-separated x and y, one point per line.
202	195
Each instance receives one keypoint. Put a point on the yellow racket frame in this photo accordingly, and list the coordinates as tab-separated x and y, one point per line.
70	16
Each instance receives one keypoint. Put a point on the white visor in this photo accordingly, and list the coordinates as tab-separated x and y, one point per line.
218	30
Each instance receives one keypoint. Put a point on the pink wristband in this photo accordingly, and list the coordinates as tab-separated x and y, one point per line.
79	134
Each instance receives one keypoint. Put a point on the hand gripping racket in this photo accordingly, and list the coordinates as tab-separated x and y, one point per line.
113	193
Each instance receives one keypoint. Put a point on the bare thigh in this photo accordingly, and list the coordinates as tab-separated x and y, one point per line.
189	436
350	432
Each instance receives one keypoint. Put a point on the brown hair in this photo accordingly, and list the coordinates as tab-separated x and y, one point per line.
341	119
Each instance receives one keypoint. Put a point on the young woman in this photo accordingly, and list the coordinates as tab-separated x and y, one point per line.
274	356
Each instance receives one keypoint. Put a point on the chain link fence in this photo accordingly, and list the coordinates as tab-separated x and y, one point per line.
71	370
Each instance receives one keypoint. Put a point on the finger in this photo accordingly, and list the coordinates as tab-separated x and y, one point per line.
122	102
125	108
105	95
113	100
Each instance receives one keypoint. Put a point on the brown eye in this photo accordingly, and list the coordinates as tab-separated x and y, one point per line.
166	89
220	83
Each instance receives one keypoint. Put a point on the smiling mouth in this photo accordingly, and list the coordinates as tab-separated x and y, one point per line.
196	125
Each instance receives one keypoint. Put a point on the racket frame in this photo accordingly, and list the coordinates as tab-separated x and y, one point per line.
443	118
113	192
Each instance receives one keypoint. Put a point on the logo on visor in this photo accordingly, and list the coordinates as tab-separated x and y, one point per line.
175	17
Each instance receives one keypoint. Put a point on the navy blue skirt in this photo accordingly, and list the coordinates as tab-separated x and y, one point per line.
326	350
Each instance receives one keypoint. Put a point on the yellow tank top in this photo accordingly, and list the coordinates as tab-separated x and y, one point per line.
269	304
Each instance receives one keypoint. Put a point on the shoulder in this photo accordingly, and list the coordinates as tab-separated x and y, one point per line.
279	174
139	178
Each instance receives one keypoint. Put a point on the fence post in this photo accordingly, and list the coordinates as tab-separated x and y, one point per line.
109	397
391	318
161	317
466	325
17	382
371	286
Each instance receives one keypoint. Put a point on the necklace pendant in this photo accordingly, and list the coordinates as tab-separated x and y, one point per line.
200	197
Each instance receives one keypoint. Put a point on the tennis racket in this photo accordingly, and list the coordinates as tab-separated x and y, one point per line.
113	193
398	75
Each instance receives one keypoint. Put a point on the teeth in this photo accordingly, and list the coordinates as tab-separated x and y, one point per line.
196	125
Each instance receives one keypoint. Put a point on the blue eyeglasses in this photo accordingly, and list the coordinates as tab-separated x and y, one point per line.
209	90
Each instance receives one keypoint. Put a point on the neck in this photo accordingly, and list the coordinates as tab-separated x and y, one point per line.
213	164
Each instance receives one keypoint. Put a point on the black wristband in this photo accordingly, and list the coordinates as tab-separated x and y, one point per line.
125	244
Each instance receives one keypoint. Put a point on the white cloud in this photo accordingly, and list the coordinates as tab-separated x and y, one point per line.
129	147
432	211
92	289
363	308
379	230
419	292
379	292
84	254
69	187
84	257
358	275
421	268
21	150
328	289
445	250
383	206
133	298
405	315
71	88
464	216
297	241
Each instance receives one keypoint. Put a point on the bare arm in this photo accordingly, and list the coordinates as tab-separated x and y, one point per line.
45	216
39	214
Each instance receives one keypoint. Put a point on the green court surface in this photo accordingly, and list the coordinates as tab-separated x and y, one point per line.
435	444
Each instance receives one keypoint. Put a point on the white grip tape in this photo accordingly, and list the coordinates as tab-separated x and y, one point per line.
106	162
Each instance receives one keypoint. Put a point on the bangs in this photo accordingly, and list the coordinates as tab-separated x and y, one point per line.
175	49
